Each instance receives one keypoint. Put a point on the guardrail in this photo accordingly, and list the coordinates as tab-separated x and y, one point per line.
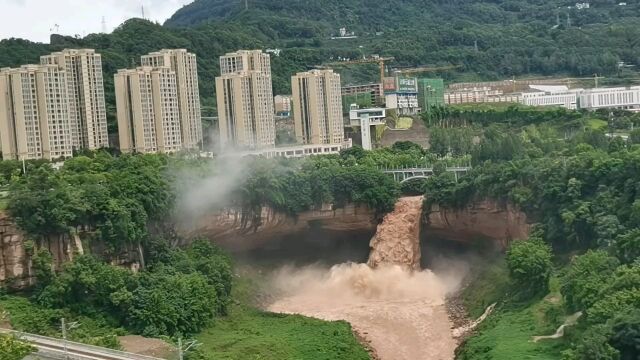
76	351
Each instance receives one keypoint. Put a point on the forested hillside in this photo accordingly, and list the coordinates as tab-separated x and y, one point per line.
487	39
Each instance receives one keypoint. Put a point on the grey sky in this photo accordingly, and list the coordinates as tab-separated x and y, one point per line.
34	19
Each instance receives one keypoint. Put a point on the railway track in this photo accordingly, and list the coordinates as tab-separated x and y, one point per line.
54	349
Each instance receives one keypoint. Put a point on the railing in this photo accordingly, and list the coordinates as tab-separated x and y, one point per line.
55	348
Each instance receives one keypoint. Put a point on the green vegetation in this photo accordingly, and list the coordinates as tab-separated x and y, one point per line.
13	349
580	189
529	265
248	333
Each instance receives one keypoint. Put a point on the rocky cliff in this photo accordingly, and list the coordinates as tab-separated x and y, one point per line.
484	219
16	251
238	231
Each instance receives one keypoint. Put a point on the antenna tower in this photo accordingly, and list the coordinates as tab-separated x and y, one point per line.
142	8
104	25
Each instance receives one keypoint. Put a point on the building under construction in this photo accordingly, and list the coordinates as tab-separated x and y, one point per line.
364	96
430	93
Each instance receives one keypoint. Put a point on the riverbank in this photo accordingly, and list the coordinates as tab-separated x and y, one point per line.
249	331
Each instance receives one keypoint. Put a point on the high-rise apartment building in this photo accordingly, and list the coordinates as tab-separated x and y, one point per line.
85	88
185	67
317	107
34	113
245	100
148	110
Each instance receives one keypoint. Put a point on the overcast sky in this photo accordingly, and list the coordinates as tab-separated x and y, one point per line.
35	19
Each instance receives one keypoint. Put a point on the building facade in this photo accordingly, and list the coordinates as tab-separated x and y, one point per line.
85	89
245	101
317	107
401	94
35	113
282	105
148	110
620	98
184	65
551	95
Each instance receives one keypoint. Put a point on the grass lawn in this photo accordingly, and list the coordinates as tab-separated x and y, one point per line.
250	334
404	123
596	124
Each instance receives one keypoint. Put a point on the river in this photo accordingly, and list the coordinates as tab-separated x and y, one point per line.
396	307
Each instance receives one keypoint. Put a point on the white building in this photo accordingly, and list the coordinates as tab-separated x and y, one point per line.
549	95
620	98
405	103
590	99
367	118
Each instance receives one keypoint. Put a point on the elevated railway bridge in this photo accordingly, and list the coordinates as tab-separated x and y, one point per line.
403	175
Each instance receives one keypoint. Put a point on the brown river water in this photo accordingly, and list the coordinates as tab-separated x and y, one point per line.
393	305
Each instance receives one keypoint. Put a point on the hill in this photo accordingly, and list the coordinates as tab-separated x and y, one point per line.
488	39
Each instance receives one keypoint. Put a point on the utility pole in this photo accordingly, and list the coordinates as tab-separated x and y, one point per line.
65	327
182	349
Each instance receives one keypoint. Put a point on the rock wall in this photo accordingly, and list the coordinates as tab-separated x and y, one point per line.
15	258
234	230
485	219
14	262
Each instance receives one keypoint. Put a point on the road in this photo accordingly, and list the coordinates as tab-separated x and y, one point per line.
54	349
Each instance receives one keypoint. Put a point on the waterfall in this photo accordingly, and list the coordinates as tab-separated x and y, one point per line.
397	240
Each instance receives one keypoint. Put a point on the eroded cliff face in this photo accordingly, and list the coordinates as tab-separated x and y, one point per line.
234	230
484	219
15	254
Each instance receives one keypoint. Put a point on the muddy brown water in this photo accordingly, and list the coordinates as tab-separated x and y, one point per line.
396	307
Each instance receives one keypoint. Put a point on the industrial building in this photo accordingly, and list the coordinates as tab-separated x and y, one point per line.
148	110
317	107
184	65
35	113
245	101
85	89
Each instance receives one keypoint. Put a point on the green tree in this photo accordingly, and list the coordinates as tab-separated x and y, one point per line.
529	265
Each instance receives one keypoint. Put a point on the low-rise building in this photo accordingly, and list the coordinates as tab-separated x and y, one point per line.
619	98
549	95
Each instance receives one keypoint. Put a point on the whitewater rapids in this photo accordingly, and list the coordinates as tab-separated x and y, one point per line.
395	307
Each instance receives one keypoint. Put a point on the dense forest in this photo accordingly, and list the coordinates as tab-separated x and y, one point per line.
579	186
487	40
